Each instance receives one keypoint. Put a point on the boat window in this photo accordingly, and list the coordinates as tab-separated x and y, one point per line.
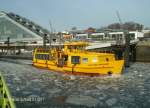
84	60
107	59
94	60
47	57
132	36
75	59
38	56
42	56
65	57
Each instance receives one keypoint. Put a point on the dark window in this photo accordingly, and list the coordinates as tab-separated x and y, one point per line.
114	36
65	57
107	59
132	36
84	60
75	59
54	40
47	58
42	56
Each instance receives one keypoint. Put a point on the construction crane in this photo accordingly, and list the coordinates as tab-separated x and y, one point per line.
118	15
119	39
127	42
51	33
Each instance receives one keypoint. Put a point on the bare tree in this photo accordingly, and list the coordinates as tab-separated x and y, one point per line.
131	26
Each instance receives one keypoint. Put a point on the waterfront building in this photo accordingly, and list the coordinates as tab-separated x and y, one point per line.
21	29
109	36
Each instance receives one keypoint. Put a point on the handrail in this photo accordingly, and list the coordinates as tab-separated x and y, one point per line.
6	100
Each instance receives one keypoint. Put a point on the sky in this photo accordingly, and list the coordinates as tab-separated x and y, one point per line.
65	14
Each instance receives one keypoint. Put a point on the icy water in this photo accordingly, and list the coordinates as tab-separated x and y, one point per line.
38	88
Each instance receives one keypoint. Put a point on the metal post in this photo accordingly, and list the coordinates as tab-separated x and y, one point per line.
60	39
50	38
8	41
127	49
44	40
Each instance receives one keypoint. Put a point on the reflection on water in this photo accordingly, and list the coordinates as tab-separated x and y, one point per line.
33	87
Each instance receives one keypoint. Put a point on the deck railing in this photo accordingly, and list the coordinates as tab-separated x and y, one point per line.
6	100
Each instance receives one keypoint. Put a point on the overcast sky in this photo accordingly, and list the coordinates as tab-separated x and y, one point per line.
64	14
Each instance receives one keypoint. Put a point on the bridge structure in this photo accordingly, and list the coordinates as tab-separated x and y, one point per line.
98	45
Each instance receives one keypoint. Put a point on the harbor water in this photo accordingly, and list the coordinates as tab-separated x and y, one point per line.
32	87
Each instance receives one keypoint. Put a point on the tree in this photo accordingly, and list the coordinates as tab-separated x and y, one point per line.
74	28
114	26
90	30
131	26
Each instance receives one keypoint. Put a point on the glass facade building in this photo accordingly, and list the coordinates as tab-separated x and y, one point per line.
19	29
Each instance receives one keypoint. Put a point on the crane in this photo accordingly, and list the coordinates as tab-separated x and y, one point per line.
51	33
127	42
118	15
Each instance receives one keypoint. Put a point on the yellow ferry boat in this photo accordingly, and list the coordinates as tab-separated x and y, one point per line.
73	58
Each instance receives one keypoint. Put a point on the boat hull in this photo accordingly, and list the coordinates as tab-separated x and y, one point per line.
108	68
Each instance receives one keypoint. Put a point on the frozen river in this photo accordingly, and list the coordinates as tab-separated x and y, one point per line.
38	88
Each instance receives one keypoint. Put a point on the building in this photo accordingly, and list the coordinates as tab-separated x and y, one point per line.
20	29
108	36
